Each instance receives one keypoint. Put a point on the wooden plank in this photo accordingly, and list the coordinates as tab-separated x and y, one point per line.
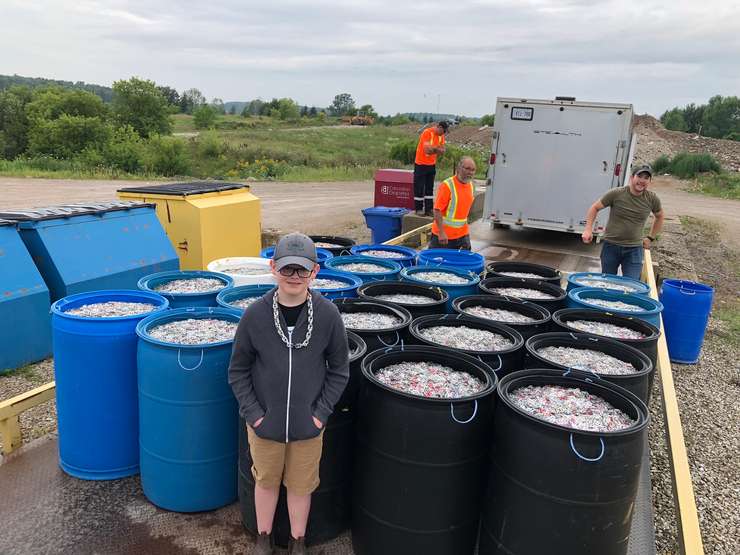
409	235
689	533
10	409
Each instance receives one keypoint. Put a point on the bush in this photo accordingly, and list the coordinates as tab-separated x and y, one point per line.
661	164
141	104
210	145
126	150
403	151
166	156
734	136
67	136
687	166
204	117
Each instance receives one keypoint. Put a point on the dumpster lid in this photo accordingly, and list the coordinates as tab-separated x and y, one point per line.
67	210
384	211
185	189
6	222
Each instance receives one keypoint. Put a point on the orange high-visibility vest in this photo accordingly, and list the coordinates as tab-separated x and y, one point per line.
431	137
454	200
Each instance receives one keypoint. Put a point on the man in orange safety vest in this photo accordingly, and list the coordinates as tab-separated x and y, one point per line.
431	143
451	208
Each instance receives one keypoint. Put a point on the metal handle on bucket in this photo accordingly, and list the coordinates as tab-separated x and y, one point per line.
588	459
179	351
398	338
475	411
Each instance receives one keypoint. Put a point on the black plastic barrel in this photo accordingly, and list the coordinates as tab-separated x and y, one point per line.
343	243
558	301
437	296
378	338
559	490
540	314
501	362
638	383
330	504
420	463
357	350
648	344
545	273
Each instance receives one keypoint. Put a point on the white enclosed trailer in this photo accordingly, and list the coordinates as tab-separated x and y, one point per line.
551	159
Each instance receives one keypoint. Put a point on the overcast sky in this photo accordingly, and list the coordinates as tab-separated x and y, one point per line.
398	56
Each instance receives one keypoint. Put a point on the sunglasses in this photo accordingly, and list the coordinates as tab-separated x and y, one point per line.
288	271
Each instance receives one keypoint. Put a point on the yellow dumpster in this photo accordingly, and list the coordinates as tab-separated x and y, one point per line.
205	220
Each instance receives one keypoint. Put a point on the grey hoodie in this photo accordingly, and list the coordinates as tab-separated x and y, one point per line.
286	385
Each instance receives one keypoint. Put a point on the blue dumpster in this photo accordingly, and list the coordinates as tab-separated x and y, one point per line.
384	223
25	335
686	309
95	373
79	248
188	417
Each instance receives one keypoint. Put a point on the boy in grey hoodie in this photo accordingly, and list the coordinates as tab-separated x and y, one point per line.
289	366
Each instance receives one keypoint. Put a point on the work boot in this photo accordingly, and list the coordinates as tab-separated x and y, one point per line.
297	546
419	212
429	214
263	545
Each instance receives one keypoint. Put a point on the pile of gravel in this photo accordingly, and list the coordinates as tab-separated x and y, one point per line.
323	283
440	277
361	268
325	245
382	254
246	270
190	285
604	284
498	314
570	407
194	331
614	305
587	359
405	298
245	302
463	337
605	329
522	293
369	320
111	309
429	379
524	275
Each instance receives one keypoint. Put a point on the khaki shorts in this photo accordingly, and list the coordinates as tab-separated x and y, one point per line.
296	463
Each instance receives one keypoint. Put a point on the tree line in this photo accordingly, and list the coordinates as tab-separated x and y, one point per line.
719	118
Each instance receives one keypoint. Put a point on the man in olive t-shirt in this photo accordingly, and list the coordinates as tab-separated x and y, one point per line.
630	208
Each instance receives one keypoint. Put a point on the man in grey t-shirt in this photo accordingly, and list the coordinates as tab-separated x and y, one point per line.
630	208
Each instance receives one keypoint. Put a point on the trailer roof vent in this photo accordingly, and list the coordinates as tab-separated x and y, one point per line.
568	98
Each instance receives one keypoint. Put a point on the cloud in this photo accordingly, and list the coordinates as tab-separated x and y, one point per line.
391	54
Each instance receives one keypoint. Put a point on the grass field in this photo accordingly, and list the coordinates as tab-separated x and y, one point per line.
722	185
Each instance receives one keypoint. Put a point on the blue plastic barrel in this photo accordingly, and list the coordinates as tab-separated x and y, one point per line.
406	255
390	272
25	333
347	292
95	373
226	297
650	309
184	300
322	255
470	287
687	306
452	258
384	223
188	417
609	282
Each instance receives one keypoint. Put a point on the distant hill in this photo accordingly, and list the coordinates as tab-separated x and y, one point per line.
6	81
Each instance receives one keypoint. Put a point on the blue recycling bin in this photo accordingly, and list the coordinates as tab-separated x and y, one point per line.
686	309
25	335
384	223
89	247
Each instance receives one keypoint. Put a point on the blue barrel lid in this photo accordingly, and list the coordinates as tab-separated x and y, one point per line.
226	296
60	307
408	252
451	256
384	211
336	263
636	285
142	328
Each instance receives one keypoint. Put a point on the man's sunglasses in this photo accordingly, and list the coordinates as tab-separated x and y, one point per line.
288	271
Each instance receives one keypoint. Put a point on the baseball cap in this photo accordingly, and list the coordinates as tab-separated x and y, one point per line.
295	248
444	125
645	168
